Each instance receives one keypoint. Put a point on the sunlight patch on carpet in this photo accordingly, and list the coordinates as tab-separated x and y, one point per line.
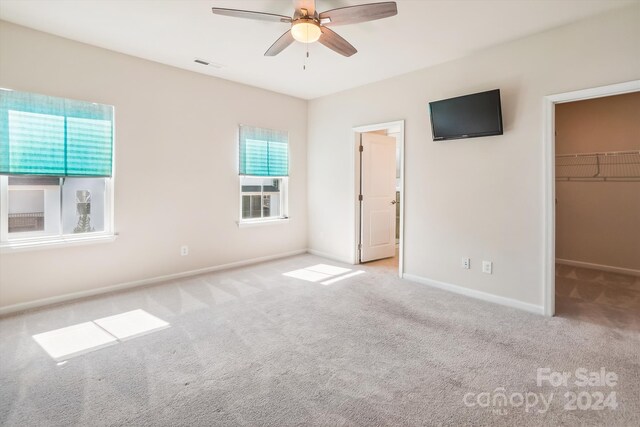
75	340
71	341
131	324
344	276
323	273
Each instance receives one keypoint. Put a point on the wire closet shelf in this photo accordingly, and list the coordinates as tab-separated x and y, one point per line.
608	166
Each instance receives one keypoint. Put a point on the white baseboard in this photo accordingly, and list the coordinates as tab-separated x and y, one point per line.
509	302
609	268
330	256
133	284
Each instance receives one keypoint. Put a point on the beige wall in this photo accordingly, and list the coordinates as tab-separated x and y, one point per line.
176	148
611	123
481	197
599	222
176	166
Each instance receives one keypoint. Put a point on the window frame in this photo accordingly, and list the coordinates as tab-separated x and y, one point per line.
271	135
284	203
63	240
21	243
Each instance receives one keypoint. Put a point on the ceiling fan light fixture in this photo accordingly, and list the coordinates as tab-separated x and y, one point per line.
306	31
308	26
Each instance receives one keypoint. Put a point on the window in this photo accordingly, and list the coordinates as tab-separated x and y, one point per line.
55	169
261	198
264	171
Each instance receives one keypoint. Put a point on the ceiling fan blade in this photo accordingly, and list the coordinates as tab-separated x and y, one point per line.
333	41
359	13
260	16
281	44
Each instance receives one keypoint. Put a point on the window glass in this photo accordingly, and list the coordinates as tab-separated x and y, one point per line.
26	211
51	206
33	207
264	172
83	203
261	197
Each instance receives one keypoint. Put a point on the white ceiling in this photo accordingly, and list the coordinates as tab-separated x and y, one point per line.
174	32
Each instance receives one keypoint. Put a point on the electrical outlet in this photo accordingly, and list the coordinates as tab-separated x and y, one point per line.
184	250
466	263
487	267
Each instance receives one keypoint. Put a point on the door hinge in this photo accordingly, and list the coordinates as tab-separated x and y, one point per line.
360	148
359	246
360	197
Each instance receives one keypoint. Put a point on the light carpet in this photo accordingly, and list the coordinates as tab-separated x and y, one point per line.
254	347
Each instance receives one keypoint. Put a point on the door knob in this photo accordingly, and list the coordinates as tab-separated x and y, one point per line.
393	202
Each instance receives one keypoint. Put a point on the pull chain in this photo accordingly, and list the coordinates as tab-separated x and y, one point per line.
304	66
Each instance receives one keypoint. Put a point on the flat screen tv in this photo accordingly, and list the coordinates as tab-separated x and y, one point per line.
468	116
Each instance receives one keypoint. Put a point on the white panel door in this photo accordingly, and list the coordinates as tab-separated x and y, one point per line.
378	180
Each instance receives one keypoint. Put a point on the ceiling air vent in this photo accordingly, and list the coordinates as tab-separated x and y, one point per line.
207	63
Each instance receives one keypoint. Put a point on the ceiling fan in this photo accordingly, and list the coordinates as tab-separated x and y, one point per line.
309	26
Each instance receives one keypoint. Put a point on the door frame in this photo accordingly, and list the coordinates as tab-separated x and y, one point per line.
549	168
356	188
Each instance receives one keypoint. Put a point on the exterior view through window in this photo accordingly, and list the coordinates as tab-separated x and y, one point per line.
264	174
261	198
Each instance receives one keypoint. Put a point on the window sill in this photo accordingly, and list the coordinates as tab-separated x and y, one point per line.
258	223
59	242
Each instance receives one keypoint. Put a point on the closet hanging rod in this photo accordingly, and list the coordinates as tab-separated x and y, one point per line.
613	166
604	153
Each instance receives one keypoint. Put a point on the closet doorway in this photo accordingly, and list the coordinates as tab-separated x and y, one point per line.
597	206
